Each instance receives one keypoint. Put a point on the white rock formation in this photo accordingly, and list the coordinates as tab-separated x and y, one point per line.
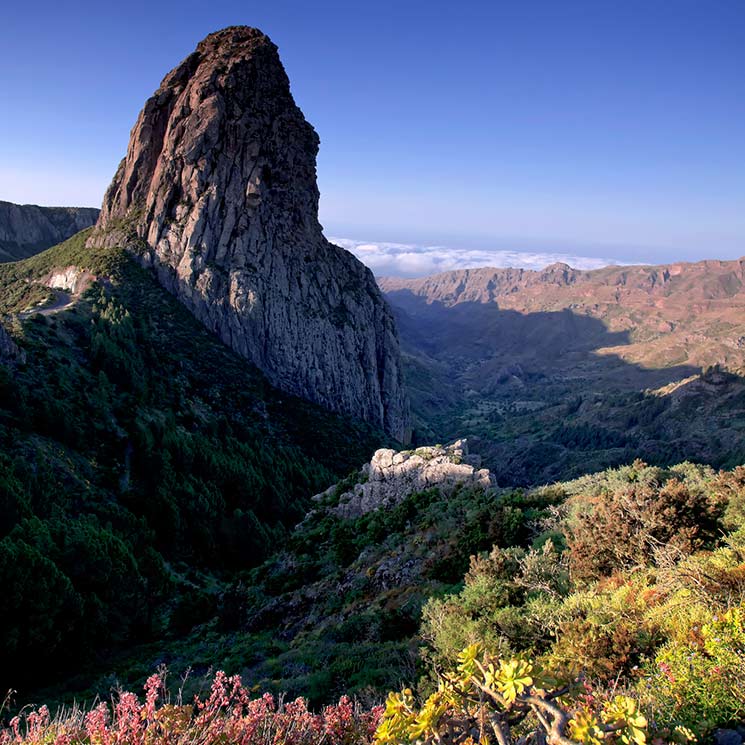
391	476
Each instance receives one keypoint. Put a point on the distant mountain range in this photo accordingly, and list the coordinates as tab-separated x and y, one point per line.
26	229
552	368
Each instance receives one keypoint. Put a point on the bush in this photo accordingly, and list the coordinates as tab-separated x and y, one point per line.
700	682
622	527
496	701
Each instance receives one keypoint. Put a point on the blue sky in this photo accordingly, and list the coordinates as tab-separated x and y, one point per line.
606	128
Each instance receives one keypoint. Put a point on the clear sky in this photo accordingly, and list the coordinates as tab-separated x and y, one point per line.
599	128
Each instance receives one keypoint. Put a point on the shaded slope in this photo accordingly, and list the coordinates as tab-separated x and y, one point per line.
142	463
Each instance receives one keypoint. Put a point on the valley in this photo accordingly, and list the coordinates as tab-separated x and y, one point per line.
26	229
560	372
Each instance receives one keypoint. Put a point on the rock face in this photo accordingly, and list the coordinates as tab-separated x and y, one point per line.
390	477
70	279
218	193
26	229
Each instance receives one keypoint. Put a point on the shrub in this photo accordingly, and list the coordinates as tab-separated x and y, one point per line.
730	485
622	527
700	682
489	700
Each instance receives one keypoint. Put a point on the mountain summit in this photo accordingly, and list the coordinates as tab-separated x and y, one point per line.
218	194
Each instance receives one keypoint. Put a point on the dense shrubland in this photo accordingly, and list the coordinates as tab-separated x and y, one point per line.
342	598
635	583
141	464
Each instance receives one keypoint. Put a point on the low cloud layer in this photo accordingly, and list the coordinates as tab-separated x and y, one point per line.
406	260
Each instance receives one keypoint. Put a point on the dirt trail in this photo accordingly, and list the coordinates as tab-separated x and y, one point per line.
62	300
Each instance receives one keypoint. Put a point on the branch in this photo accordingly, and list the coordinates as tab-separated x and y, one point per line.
559	719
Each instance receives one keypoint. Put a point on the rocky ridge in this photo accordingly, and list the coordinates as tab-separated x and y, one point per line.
218	194
26	229
392	476
709	280
689	312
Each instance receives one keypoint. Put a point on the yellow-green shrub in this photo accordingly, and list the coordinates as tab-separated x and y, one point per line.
701	682
488	700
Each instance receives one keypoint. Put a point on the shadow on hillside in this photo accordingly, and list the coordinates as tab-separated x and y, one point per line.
483	345
541	404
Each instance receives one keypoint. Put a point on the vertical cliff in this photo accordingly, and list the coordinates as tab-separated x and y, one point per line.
218	194
26	229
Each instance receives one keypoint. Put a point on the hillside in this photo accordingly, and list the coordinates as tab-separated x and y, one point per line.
561	371
618	596
26	229
141	462
168	379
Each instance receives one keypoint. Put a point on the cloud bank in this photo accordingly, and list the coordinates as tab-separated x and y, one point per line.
407	260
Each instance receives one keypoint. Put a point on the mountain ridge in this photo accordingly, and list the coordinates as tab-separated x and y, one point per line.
26	229
509	279
683	306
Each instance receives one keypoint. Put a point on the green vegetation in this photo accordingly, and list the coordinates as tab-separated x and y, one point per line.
154	508
491	700
141	465
542	430
346	594
635	583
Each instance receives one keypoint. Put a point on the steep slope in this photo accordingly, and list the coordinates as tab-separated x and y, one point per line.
336	608
218	193
26	229
142	463
562	371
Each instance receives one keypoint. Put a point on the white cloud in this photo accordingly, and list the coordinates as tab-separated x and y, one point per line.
407	260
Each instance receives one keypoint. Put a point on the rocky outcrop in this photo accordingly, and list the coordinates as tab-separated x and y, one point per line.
26	229
71	279
392	476
218	194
